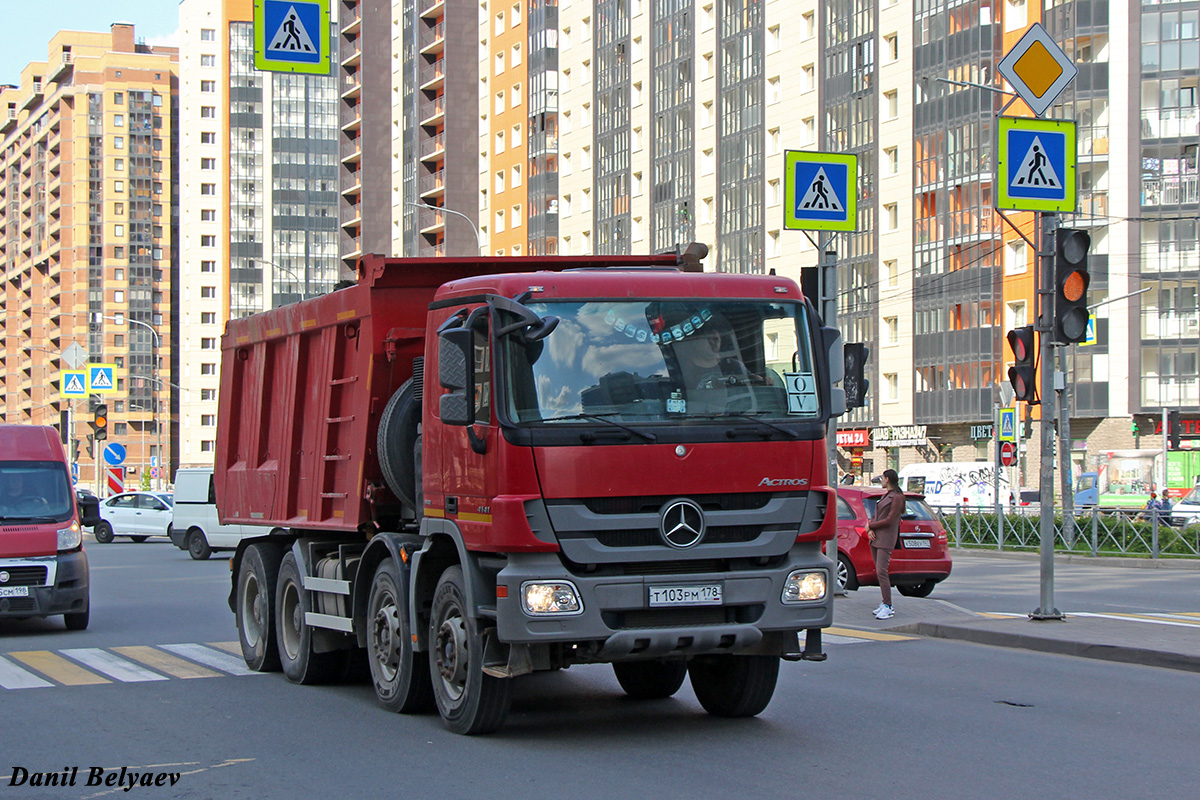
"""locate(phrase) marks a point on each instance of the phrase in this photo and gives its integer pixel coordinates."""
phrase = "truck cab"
(43, 567)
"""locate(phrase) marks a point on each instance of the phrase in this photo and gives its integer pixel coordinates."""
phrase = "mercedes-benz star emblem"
(682, 523)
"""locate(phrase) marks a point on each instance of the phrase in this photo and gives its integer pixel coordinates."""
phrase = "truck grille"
(650, 504)
(649, 537)
(24, 576)
(18, 605)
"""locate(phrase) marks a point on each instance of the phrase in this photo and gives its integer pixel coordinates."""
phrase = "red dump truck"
(471, 469)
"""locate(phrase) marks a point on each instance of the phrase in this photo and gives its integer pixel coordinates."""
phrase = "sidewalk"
(1158, 640)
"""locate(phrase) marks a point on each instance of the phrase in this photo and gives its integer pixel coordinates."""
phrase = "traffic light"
(855, 382)
(1071, 281)
(100, 422)
(1173, 429)
(1133, 427)
(1023, 373)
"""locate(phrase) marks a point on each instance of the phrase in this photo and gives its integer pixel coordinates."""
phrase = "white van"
(194, 524)
(956, 483)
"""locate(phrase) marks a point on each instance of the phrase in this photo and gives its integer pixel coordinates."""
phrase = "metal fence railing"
(1088, 532)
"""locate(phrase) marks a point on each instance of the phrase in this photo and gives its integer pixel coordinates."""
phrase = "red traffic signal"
(1023, 373)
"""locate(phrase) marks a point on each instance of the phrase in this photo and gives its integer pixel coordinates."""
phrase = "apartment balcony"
(1170, 123)
(351, 86)
(433, 76)
(352, 52)
(432, 9)
(1170, 324)
(434, 148)
(9, 121)
(354, 120)
(1170, 190)
(351, 183)
(65, 64)
(354, 157)
(351, 19)
(433, 40)
(432, 222)
(433, 185)
(354, 222)
(1170, 391)
(433, 112)
(35, 97)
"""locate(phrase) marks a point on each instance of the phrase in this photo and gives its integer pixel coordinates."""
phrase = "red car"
(921, 559)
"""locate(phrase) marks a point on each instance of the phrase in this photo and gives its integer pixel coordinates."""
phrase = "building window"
(1015, 15)
(208, 266)
(208, 60)
(118, 230)
(1017, 317)
(516, 176)
(891, 104)
(208, 34)
(208, 240)
(809, 23)
(892, 269)
(119, 142)
(208, 215)
(208, 163)
(118, 120)
(516, 217)
(208, 86)
(1016, 258)
(208, 446)
(208, 394)
(208, 369)
(208, 420)
(891, 382)
(893, 216)
(808, 78)
(118, 98)
(208, 188)
(208, 137)
(891, 47)
(208, 292)
(892, 156)
(208, 318)
(891, 330)
(208, 112)
(118, 297)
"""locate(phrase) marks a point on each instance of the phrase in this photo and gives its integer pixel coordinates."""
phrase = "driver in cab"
(708, 361)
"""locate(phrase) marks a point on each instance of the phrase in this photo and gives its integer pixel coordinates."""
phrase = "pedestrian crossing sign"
(73, 383)
(1035, 164)
(292, 36)
(1008, 425)
(100, 379)
(820, 191)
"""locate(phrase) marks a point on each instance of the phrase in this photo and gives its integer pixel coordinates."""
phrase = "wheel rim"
(194, 544)
(452, 655)
(843, 574)
(254, 611)
(291, 617)
(385, 636)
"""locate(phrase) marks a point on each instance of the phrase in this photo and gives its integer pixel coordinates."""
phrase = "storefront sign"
(861, 438)
(982, 431)
(900, 436)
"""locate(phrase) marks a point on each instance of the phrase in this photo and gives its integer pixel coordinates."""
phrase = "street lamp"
(304, 294)
(96, 317)
(471, 222)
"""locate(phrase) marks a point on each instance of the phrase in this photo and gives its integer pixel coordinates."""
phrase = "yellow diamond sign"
(1038, 69)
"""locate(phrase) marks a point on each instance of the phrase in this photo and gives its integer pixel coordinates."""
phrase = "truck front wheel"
(734, 686)
(402, 683)
(469, 701)
(294, 636)
(650, 680)
(258, 574)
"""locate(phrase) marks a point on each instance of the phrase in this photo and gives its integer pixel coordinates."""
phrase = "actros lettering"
(783, 482)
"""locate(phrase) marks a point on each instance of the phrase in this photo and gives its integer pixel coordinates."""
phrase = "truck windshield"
(663, 361)
(34, 490)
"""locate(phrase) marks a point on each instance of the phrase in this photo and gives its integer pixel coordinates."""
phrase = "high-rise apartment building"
(259, 175)
(88, 238)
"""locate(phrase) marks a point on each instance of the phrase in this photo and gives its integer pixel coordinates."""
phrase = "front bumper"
(616, 615)
(65, 589)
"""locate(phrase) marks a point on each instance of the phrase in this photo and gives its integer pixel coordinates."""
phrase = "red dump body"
(302, 390)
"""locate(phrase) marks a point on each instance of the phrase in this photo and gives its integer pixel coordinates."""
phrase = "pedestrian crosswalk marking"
(228, 647)
(211, 658)
(111, 665)
(876, 636)
(174, 666)
(13, 677)
(58, 668)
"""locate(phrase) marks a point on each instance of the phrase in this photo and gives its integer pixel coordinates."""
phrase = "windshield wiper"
(649, 437)
(763, 422)
(28, 519)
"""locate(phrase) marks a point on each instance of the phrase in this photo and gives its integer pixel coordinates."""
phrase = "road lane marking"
(165, 662)
(111, 665)
(13, 677)
(865, 634)
(58, 668)
(229, 647)
(1137, 618)
(211, 658)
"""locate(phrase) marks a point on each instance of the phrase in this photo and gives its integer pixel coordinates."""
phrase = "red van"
(921, 559)
(43, 569)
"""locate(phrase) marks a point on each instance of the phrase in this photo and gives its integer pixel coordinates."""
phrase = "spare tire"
(397, 440)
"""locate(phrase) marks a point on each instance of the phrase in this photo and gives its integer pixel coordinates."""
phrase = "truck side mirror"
(456, 372)
(89, 511)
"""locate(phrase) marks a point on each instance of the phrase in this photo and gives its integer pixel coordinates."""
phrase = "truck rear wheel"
(469, 701)
(255, 606)
(402, 682)
(294, 636)
(650, 680)
(734, 686)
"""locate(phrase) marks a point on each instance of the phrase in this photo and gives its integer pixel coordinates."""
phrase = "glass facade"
(673, 114)
(741, 136)
(543, 128)
(612, 134)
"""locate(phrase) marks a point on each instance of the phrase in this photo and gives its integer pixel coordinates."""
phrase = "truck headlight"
(70, 538)
(802, 585)
(550, 597)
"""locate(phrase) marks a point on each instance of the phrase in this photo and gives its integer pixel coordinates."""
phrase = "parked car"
(1187, 510)
(138, 515)
(921, 559)
(195, 526)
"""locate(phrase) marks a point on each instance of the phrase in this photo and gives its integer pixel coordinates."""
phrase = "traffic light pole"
(1064, 453)
(1046, 247)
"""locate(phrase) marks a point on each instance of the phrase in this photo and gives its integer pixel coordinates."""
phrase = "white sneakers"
(878, 608)
(884, 612)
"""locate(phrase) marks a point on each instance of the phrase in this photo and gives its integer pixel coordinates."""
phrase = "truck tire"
(734, 686)
(650, 680)
(469, 701)
(258, 575)
(293, 635)
(78, 620)
(396, 441)
(103, 532)
(197, 545)
(402, 681)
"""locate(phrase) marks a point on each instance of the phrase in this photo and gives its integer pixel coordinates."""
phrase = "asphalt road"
(905, 717)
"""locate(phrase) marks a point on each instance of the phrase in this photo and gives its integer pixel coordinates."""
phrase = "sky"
(29, 25)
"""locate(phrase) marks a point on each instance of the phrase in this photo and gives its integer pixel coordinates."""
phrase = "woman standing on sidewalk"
(883, 530)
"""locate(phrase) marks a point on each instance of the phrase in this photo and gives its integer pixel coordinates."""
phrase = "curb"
(1103, 652)
(1075, 558)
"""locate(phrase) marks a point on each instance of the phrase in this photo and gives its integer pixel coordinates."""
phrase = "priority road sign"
(292, 36)
(820, 191)
(1008, 425)
(1037, 68)
(1035, 164)
(73, 383)
(100, 379)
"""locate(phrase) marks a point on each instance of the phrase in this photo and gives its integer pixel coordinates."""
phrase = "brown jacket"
(886, 522)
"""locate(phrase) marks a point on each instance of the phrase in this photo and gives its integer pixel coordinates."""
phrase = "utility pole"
(828, 296)
(1047, 237)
